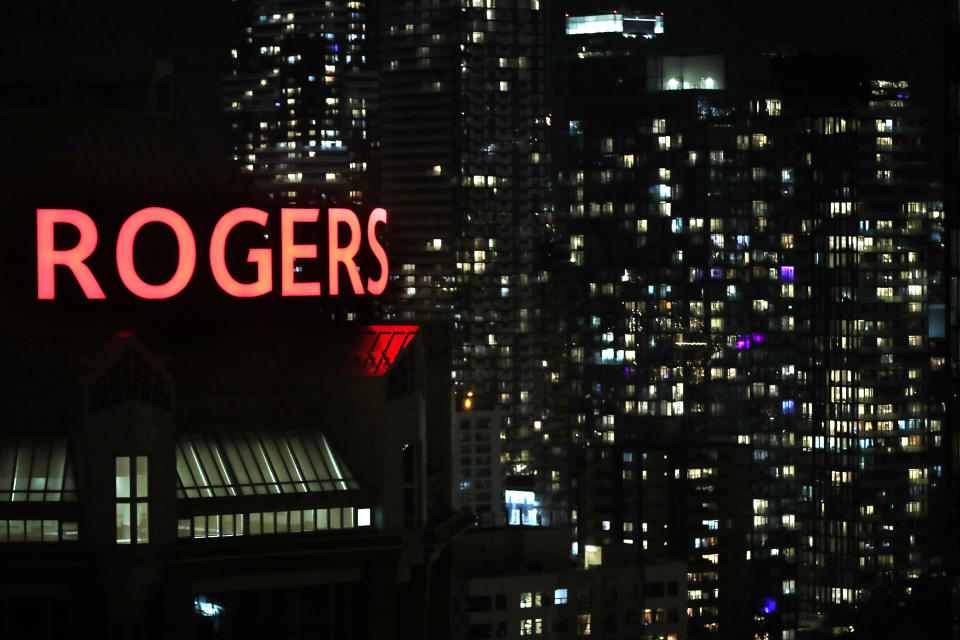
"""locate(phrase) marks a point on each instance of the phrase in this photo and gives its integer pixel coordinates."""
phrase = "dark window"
(585, 597)
(610, 595)
(480, 631)
(478, 603)
(610, 623)
(653, 590)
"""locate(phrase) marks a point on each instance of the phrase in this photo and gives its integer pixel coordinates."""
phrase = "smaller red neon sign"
(379, 346)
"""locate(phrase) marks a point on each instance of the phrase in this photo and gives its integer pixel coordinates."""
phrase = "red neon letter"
(186, 261)
(377, 215)
(346, 254)
(73, 259)
(289, 252)
(262, 257)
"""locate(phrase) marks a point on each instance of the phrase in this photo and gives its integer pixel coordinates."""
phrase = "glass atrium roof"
(258, 463)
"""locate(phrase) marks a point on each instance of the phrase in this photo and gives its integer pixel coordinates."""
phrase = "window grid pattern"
(272, 522)
(132, 508)
(36, 470)
(258, 463)
(37, 531)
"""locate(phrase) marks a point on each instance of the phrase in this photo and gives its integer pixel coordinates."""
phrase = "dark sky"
(905, 41)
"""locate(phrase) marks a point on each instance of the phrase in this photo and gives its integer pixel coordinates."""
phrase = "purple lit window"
(759, 338)
(743, 342)
(787, 406)
(769, 605)
(786, 274)
(716, 273)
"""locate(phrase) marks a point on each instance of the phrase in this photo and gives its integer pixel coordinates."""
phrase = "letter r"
(73, 259)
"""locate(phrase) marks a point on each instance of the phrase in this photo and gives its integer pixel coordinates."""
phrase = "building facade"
(466, 167)
(300, 100)
(520, 582)
(753, 267)
(279, 488)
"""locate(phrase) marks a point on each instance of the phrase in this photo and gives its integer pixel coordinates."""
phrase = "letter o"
(186, 261)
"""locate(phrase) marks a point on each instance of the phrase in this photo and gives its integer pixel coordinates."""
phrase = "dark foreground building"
(224, 484)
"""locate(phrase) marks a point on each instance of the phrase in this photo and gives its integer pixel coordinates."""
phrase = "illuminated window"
(559, 596)
(592, 556)
(132, 513)
(583, 624)
(531, 599)
(37, 531)
(363, 517)
(532, 627)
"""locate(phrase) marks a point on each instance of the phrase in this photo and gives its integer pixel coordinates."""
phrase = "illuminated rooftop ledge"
(379, 347)
(230, 525)
(626, 24)
(676, 84)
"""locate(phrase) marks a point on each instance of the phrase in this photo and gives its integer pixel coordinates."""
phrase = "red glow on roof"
(379, 346)
(123, 334)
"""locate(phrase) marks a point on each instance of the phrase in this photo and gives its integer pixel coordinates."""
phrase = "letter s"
(376, 287)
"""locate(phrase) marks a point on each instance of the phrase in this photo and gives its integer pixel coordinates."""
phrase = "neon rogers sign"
(344, 239)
